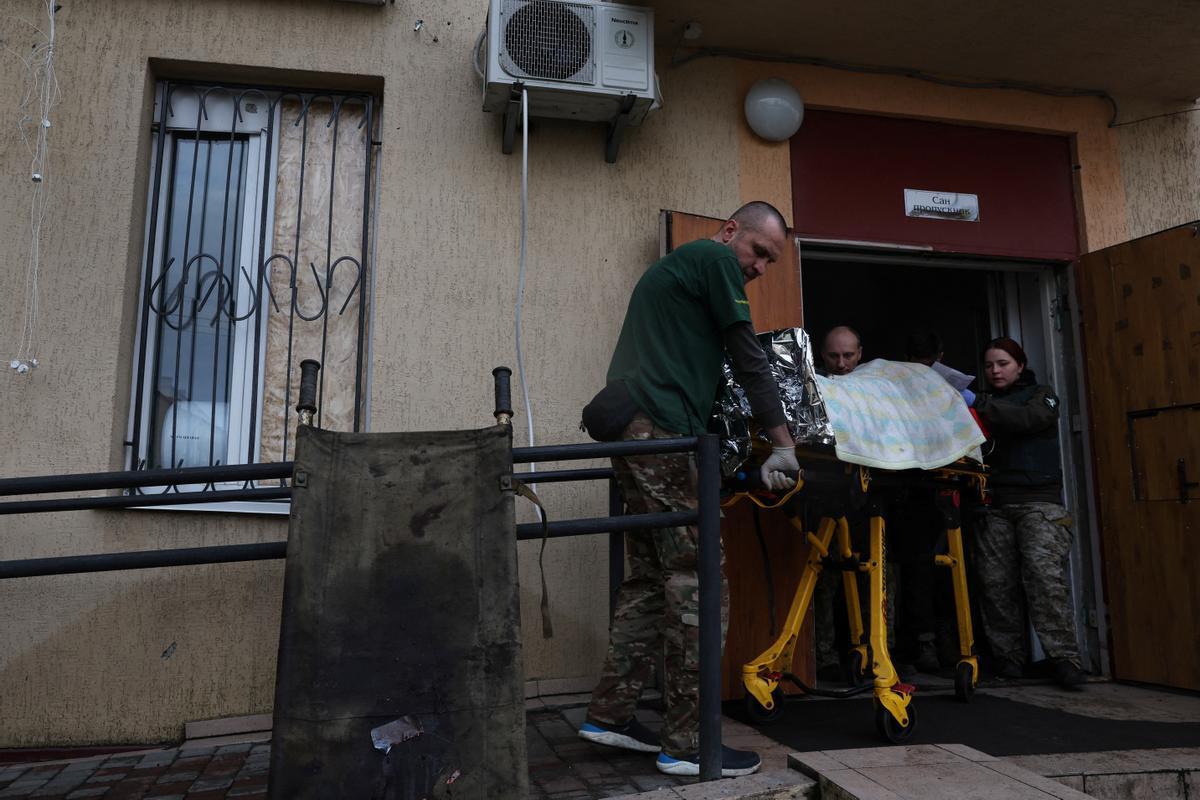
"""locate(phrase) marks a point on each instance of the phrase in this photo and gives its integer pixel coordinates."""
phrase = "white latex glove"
(774, 470)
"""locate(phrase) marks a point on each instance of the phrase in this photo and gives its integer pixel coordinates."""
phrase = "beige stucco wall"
(130, 656)
(1161, 159)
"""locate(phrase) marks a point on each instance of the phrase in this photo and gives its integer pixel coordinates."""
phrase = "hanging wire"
(1155, 116)
(40, 96)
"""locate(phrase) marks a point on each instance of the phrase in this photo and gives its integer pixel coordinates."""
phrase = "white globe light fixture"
(774, 109)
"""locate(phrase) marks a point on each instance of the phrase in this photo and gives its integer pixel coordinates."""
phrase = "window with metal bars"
(257, 257)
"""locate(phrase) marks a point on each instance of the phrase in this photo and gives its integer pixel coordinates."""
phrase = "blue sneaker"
(734, 763)
(633, 735)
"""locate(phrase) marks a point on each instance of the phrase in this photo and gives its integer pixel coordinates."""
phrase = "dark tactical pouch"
(606, 416)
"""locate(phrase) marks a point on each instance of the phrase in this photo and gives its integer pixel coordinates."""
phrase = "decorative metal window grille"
(257, 257)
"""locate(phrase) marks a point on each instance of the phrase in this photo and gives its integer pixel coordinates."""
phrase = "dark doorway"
(887, 303)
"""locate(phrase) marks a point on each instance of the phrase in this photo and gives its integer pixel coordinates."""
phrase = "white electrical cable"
(40, 97)
(475, 54)
(521, 270)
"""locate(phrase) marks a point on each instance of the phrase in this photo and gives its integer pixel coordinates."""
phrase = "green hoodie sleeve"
(1037, 413)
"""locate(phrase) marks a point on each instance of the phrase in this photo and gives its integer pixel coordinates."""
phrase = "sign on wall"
(941, 205)
(849, 173)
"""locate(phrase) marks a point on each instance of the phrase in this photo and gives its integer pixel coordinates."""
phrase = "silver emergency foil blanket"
(789, 352)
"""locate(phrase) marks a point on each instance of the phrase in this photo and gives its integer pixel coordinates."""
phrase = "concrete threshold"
(925, 772)
(931, 772)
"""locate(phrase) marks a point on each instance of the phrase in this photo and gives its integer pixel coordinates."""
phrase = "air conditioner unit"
(576, 60)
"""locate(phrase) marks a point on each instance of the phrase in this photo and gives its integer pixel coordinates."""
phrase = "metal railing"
(706, 517)
(129, 480)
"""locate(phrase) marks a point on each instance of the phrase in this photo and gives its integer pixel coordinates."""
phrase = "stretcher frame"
(837, 487)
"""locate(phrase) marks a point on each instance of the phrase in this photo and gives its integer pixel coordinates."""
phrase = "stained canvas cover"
(400, 670)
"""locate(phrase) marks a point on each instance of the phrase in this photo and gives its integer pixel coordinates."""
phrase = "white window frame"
(178, 117)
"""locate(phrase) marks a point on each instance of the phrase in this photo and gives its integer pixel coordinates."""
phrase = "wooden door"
(775, 302)
(1140, 305)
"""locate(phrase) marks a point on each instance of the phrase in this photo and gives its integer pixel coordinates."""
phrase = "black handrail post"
(503, 412)
(306, 405)
(708, 495)
(616, 548)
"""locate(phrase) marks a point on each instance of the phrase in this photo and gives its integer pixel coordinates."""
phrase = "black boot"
(1066, 674)
(1007, 669)
(927, 660)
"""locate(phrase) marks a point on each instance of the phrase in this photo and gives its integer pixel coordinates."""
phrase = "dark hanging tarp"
(400, 669)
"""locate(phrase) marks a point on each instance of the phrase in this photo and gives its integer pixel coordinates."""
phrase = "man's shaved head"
(757, 234)
(758, 215)
(841, 350)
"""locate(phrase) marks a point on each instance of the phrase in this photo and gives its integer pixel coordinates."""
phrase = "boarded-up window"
(257, 257)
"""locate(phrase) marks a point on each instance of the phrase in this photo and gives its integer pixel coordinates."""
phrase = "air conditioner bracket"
(512, 115)
(616, 128)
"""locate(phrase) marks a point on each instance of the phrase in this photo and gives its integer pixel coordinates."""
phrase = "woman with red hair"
(1022, 546)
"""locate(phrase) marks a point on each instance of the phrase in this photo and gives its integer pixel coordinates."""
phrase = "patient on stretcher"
(883, 414)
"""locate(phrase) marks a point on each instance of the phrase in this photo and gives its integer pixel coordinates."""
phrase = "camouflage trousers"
(658, 605)
(1020, 557)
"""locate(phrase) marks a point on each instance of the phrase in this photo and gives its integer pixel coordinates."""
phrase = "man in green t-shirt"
(687, 311)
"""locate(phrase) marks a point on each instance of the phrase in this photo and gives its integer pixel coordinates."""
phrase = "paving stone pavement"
(561, 766)
(564, 767)
(197, 773)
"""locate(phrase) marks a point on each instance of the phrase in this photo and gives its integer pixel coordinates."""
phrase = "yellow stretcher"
(836, 488)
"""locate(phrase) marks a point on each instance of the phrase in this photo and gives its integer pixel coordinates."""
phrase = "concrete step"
(1161, 774)
(773, 785)
(925, 772)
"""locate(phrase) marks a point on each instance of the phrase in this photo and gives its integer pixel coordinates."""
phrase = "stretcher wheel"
(892, 730)
(964, 686)
(764, 716)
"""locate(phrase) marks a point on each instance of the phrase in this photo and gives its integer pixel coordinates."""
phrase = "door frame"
(1065, 370)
